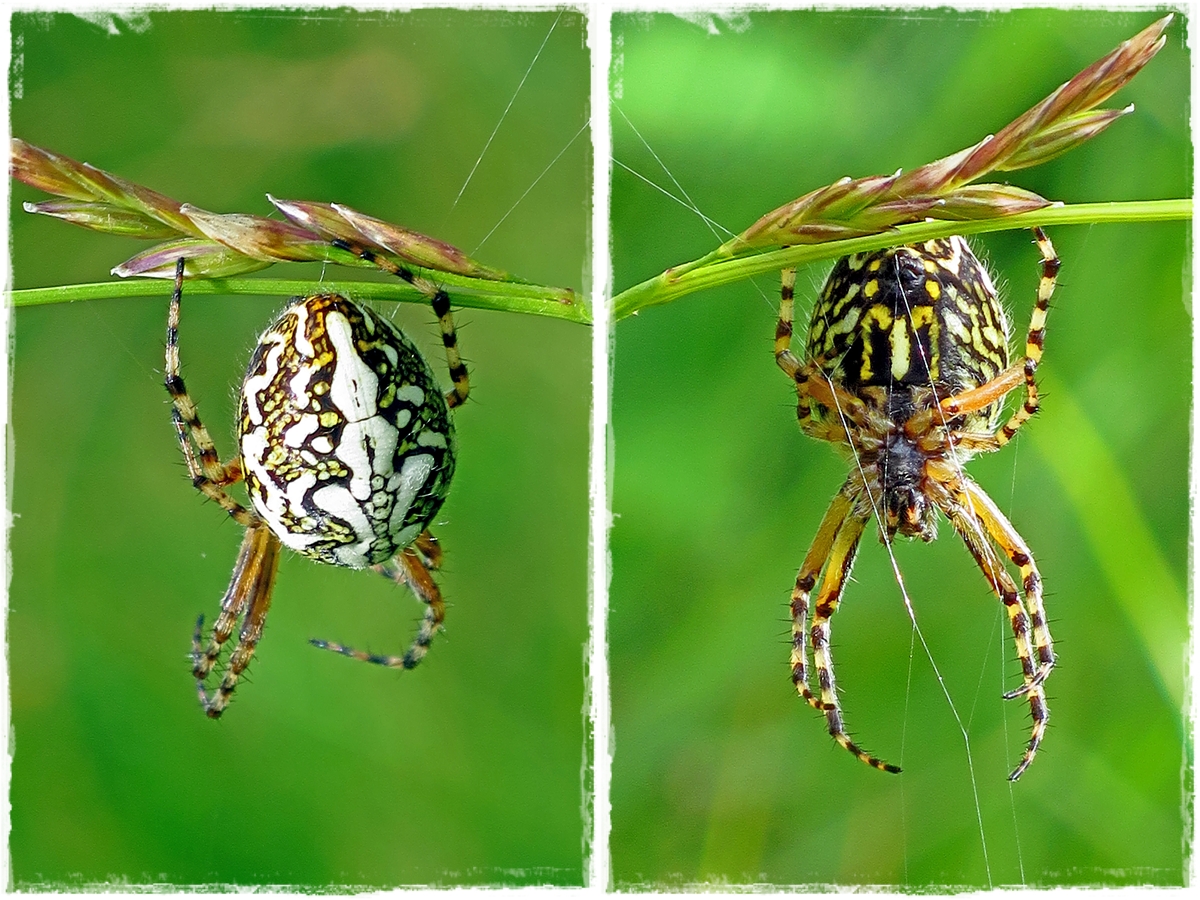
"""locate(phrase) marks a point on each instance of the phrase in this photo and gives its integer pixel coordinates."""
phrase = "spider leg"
(1024, 370)
(440, 301)
(233, 606)
(410, 567)
(841, 560)
(974, 528)
(1010, 541)
(429, 549)
(1036, 339)
(209, 476)
(248, 596)
(812, 383)
(806, 580)
(783, 329)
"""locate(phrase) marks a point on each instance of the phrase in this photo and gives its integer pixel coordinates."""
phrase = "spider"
(906, 370)
(347, 449)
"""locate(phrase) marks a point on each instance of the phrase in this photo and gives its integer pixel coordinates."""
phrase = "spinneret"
(907, 367)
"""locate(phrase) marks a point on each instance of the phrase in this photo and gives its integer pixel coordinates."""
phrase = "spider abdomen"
(907, 323)
(346, 441)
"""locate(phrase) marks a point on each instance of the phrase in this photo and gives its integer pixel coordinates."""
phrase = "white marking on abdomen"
(404, 487)
(271, 502)
(354, 386)
(374, 433)
(256, 384)
(411, 393)
(300, 339)
(336, 501)
(299, 386)
(300, 432)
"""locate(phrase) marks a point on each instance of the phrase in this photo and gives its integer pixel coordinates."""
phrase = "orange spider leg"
(248, 596)
(986, 394)
(806, 579)
(810, 379)
(410, 567)
(1035, 340)
(783, 328)
(249, 591)
(841, 560)
(1010, 541)
(1023, 370)
(975, 531)
(429, 548)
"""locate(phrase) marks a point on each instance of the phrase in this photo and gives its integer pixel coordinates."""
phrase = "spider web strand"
(504, 115)
(917, 628)
(534, 183)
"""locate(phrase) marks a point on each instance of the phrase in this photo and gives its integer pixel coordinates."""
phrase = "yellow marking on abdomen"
(900, 344)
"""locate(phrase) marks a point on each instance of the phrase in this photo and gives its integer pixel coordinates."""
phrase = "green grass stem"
(717, 269)
(469, 292)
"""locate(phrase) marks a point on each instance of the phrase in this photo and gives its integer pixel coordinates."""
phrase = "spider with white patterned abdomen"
(347, 449)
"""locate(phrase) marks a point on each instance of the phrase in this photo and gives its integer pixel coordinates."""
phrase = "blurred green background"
(720, 773)
(323, 771)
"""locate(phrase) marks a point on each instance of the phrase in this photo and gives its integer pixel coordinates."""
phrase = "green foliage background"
(720, 773)
(323, 771)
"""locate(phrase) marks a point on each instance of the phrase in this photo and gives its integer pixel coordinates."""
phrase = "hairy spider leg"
(1035, 340)
(440, 301)
(1025, 369)
(410, 567)
(430, 549)
(973, 519)
(806, 580)
(983, 516)
(787, 316)
(209, 476)
(249, 593)
(233, 605)
(836, 541)
(1010, 541)
(810, 378)
(997, 525)
(837, 571)
(248, 597)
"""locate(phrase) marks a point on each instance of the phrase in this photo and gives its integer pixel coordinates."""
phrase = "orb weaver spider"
(906, 370)
(346, 446)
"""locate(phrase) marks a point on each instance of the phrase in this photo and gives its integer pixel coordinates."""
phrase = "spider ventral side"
(346, 445)
(906, 369)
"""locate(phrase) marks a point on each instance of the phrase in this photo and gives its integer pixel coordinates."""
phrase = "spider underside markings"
(906, 369)
(346, 446)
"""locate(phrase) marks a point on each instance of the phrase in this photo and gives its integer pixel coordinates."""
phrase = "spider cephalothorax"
(907, 368)
(347, 449)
